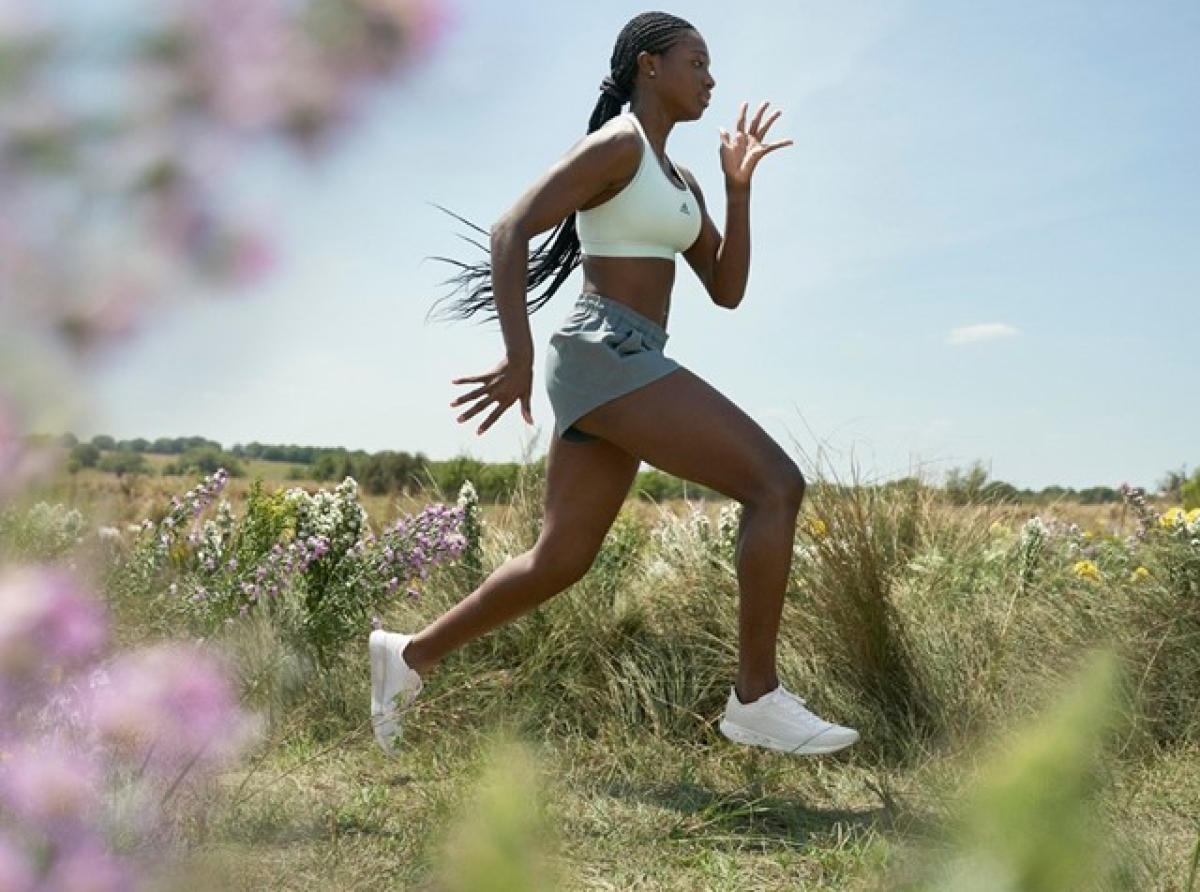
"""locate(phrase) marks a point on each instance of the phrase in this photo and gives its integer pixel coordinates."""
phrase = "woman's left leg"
(683, 426)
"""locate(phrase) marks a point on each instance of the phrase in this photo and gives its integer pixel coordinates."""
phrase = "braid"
(553, 261)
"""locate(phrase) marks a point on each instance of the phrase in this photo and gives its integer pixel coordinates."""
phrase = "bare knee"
(561, 564)
(779, 491)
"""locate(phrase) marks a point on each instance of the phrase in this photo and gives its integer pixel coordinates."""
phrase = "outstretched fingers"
(759, 127)
(756, 121)
(494, 392)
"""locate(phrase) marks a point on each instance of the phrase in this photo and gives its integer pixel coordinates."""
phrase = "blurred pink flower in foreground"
(48, 622)
(173, 704)
(94, 749)
(52, 787)
(122, 124)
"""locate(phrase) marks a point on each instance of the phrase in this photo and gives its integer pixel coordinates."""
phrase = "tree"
(965, 486)
(123, 463)
(84, 455)
(205, 460)
(1171, 486)
(1189, 493)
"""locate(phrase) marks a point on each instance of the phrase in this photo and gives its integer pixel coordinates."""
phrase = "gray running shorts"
(602, 351)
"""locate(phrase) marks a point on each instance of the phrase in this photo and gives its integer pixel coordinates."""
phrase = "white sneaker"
(394, 685)
(780, 721)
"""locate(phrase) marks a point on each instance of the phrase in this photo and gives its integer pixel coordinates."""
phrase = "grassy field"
(577, 748)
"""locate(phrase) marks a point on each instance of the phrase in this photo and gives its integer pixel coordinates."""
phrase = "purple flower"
(16, 873)
(89, 867)
(46, 620)
(174, 704)
(50, 787)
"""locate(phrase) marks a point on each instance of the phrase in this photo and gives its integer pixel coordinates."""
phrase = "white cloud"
(989, 331)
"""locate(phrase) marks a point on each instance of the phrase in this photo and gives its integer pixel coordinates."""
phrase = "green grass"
(576, 749)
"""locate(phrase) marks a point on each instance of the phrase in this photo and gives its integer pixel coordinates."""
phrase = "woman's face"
(682, 78)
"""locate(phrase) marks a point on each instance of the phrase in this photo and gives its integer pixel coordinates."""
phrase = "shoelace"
(793, 704)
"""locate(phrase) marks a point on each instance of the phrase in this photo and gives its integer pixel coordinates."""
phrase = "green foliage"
(656, 486)
(203, 460)
(1189, 492)
(83, 455)
(308, 561)
(39, 534)
(861, 541)
(965, 486)
(931, 628)
(502, 841)
(387, 472)
(493, 482)
(1030, 823)
(122, 463)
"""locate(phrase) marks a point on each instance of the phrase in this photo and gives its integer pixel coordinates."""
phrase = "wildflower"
(1034, 531)
(172, 703)
(50, 787)
(16, 871)
(46, 619)
(1139, 574)
(1172, 519)
(816, 527)
(729, 522)
(1087, 570)
(90, 866)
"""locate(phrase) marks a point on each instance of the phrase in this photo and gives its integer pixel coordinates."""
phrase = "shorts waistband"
(614, 309)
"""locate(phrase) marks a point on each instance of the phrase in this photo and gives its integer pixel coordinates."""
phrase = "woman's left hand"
(746, 146)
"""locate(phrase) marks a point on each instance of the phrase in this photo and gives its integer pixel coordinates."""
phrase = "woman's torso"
(629, 242)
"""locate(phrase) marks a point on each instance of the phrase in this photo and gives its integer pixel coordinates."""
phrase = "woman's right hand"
(508, 383)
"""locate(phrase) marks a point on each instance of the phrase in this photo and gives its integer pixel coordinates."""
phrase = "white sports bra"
(650, 217)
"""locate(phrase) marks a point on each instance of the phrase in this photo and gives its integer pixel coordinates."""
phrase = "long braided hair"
(557, 257)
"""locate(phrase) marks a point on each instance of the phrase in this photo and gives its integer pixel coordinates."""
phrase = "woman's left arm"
(723, 262)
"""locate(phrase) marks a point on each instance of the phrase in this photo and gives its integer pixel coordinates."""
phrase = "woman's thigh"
(586, 485)
(685, 427)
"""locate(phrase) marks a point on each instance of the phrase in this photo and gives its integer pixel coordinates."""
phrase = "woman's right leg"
(586, 485)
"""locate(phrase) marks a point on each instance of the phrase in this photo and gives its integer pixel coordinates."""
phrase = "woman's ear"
(647, 63)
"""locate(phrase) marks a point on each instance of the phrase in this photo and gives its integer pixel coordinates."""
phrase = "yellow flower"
(1140, 574)
(1086, 570)
(1193, 517)
(816, 528)
(1175, 517)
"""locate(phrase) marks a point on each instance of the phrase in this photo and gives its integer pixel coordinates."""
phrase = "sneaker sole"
(814, 747)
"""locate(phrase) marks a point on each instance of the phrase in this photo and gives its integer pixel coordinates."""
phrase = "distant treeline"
(382, 473)
(378, 473)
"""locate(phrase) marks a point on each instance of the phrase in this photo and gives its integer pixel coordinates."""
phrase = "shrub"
(309, 561)
(42, 533)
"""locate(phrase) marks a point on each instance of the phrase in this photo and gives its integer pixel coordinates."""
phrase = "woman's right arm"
(600, 163)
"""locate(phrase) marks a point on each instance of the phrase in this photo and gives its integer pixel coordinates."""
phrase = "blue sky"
(984, 246)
